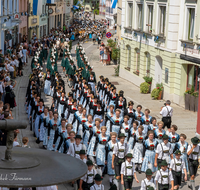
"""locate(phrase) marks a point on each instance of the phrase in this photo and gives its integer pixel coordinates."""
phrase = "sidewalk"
(185, 120)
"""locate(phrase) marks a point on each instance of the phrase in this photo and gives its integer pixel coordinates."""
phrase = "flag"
(113, 4)
(50, 1)
(37, 7)
(75, 7)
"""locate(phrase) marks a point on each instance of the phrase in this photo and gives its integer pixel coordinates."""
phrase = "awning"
(190, 58)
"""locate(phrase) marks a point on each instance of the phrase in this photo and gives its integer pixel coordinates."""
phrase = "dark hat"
(195, 140)
(78, 137)
(164, 163)
(165, 137)
(149, 172)
(70, 94)
(82, 152)
(122, 135)
(89, 163)
(178, 152)
(114, 187)
(129, 155)
(99, 102)
(98, 177)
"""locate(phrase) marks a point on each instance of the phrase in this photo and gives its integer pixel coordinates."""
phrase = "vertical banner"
(35, 7)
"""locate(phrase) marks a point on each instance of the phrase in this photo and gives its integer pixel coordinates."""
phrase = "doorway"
(158, 70)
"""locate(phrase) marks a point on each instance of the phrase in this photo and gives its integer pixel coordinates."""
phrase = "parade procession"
(67, 86)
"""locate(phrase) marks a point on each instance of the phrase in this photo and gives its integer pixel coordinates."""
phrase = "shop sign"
(34, 20)
(16, 16)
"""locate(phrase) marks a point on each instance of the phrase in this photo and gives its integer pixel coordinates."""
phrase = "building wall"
(141, 47)
(42, 18)
(119, 21)
(23, 27)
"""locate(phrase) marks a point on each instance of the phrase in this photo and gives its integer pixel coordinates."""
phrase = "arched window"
(148, 63)
(128, 56)
(137, 58)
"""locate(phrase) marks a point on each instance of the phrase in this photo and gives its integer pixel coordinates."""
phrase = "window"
(13, 6)
(162, 20)
(139, 16)
(3, 5)
(149, 19)
(8, 11)
(43, 7)
(129, 57)
(137, 51)
(191, 18)
(130, 14)
(166, 75)
(148, 64)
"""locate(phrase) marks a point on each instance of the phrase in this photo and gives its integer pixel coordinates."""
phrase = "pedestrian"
(128, 172)
(164, 177)
(148, 181)
(167, 112)
(25, 142)
(98, 183)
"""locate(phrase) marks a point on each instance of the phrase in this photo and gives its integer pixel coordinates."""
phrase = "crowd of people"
(93, 122)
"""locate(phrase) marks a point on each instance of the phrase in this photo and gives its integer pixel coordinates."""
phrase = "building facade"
(33, 22)
(102, 7)
(9, 23)
(58, 16)
(43, 18)
(23, 26)
(119, 19)
(161, 39)
(89, 5)
(111, 13)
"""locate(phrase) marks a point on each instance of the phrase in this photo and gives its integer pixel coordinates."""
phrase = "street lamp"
(94, 12)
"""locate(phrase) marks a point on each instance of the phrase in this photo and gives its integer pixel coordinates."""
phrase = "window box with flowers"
(137, 72)
(191, 99)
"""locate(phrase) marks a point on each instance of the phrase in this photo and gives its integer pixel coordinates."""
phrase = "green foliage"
(111, 43)
(192, 92)
(96, 11)
(148, 79)
(155, 93)
(115, 53)
(116, 70)
(144, 88)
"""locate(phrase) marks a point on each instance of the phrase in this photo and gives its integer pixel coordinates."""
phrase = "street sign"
(16, 16)
(108, 35)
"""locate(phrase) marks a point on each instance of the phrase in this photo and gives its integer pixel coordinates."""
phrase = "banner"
(113, 4)
(35, 7)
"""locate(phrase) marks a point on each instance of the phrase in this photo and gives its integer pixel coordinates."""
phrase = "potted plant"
(115, 55)
(149, 81)
(144, 88)
(187, 99)
(157, 92)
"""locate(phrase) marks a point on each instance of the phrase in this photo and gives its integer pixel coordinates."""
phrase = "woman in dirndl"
(146, 120)
(149, 153)
(69, 104)
(125, 128)
(47, 83)
(43, 123)
(113, 96)
(71, 112)
(173, 136)
(47, 129)
(116, 122)
(54, 123)
(130, 112)
(153, 125)
(110, 147)
(99, 112)
(182, 145)
(62, 105)
(138, 147)
(120, 104)
(96, 132)
(139, 114)
(75, 121)
(60, 137)
(45, 50)
(81, 121)
(159, 132)
(100, 148)
(133, 131)
(108, 117)
(92, 81)
(88, 131)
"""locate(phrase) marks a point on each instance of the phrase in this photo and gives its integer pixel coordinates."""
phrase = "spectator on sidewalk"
(25, 141)
(15, 143)
(167, 112)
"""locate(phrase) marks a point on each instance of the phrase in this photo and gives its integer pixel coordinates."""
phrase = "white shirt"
(89, 176)
(164, 112)
(196, 149)
(15, 143)
(10, 68)
(128, 168)
(121, 147)
(164, 150)
(147, 182)
(97, 187)
(165, 180)
(1, 87)
(180, 164)
(75, 148)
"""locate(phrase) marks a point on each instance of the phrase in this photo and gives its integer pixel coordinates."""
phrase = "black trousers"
(167, 122)
(193, 167)
(177, 177)
(86, 186)
(163, 187)
(118, 163)
(128, 181)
